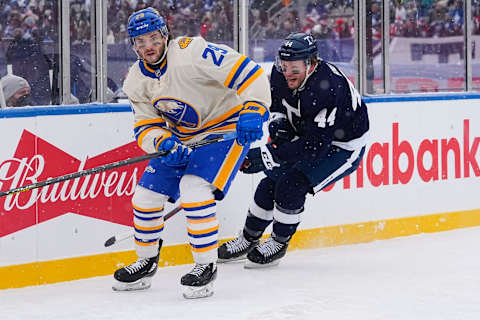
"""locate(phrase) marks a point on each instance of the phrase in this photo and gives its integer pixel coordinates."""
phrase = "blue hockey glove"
(259, 159)
(179, 154)
(281, 131)
(249, 128)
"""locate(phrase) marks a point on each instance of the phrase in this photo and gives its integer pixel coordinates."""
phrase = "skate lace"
(134, 267)
(238, 244)
(270, 247)
(198, 269)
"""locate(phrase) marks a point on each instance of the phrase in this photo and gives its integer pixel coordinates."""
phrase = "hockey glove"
(259, 159)
(179, 154)
(249, 128)
(281, 131)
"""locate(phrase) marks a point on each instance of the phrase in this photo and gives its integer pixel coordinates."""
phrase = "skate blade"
(252, 265)
(190, 292)
(141, 284)
(240, 258)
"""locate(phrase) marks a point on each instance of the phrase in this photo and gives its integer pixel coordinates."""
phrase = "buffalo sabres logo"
(184, 42)
(178, 112)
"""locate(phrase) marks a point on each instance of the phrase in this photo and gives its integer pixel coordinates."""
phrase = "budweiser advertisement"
(422, 158)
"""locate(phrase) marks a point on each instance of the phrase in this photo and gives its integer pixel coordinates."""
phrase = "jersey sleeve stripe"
(220, 129)
(232, 113)
(252, 75)
(236, 71)
(158, 140)
(139, 137)
(253, 106)
(158, 121)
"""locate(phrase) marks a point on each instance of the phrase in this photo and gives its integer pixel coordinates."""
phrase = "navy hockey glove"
(249, 128)
(281, 131)
(179, 154)
(259, 159)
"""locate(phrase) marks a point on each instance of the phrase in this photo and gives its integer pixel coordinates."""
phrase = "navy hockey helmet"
(145, 21)
(298, 46)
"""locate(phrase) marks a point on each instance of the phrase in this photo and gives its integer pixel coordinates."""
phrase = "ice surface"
(429, 276)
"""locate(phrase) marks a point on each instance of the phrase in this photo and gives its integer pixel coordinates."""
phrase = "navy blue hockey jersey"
(327, 111)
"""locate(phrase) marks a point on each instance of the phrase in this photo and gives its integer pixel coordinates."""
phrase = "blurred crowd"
(212, 19)
(29, 29)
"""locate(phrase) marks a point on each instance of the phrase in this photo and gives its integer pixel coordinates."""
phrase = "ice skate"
(136, 276)
(266, 254)
(235, 249)
(198, 283)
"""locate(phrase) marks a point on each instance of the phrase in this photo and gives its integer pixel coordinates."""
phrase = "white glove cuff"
(267, 158)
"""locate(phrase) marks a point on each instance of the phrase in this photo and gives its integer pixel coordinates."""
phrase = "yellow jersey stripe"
(249, 81)
(234, 69)
(144, 133)
(148, 121)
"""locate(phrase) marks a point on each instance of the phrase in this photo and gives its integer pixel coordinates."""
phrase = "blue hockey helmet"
(298, 46)
(145, 21)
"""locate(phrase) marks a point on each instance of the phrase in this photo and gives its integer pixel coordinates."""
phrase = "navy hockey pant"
(280, 196)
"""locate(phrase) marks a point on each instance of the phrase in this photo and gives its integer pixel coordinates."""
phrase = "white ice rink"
(430, 276)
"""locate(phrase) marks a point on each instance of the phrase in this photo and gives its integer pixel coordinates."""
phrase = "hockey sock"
(285, 223)
(290, 195)
(260, 212)
(148, 221)
(200, 211)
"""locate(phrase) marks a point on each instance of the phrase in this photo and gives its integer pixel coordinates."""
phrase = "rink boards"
(420, 174)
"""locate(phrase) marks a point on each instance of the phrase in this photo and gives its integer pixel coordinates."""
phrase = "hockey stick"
(121, 163)
(114, 239)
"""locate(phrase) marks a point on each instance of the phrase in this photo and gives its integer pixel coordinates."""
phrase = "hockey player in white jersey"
(182, 91)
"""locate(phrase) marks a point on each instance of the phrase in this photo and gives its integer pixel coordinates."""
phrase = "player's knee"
(291, 190)
(194, 188)
(146, 199)
(264, 194)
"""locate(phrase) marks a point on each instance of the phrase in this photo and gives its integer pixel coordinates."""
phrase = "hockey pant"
(200, 211)
(280, 197)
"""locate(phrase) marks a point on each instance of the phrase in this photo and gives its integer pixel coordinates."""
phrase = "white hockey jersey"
(199, 89)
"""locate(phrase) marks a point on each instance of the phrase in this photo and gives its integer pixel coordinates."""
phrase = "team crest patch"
(184, 42)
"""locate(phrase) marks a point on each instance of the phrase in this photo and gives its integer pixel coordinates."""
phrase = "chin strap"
(307, 74)
(164, 53)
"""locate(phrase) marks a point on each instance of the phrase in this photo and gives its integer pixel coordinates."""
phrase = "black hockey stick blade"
(110, 241)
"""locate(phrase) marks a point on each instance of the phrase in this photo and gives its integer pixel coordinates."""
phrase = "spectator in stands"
(16, 91)
(28, 61)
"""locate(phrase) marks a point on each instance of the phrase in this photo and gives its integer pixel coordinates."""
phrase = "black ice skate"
(235, 249)
(198, 283)
(266, 254)
(137, 276)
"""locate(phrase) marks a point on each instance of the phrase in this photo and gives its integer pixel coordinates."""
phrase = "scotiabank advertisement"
(423, 158)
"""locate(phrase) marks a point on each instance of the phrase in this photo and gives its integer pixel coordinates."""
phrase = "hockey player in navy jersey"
(183, 91)
(318, 131)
